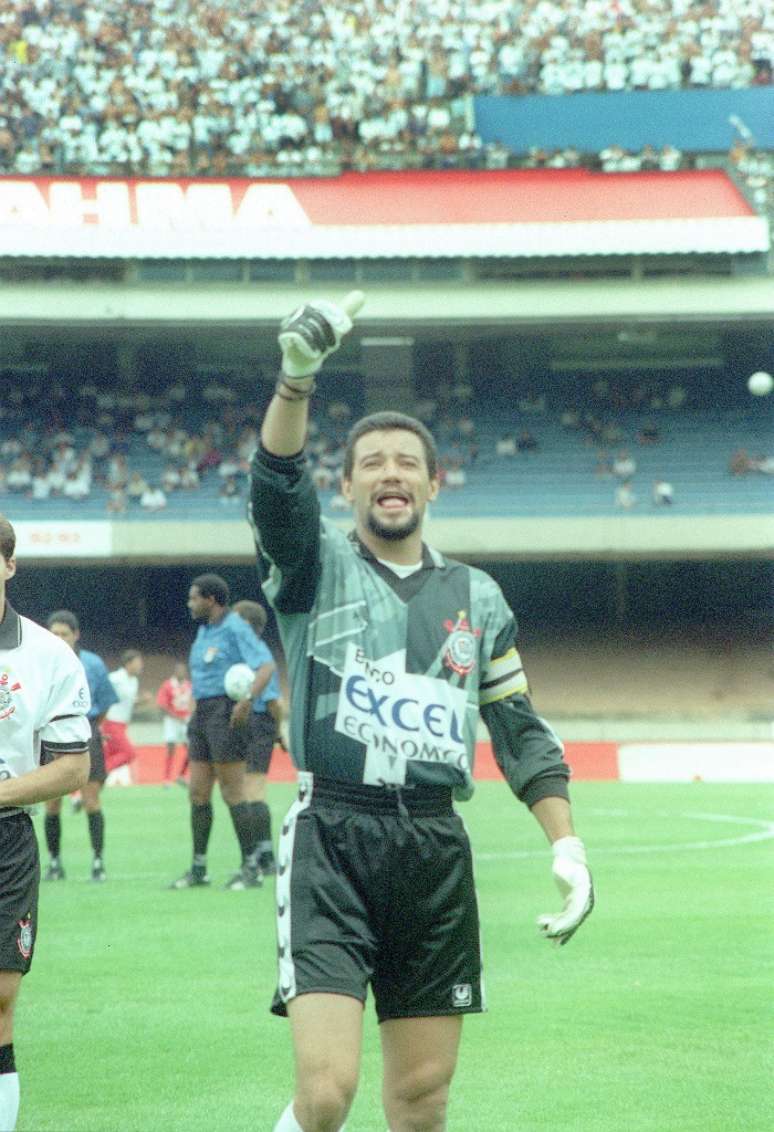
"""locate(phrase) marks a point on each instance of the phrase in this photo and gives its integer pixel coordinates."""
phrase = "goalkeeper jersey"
(387, 675)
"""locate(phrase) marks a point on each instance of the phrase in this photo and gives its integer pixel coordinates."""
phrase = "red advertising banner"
(509, 212)
(588, 762)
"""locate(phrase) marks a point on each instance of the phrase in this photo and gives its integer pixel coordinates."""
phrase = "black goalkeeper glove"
(313, 331)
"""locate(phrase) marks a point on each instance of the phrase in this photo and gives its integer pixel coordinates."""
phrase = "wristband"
(298, 394)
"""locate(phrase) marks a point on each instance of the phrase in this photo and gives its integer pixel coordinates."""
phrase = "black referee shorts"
(211, 738)
(19, 882)
(256, 741)
(375, 886)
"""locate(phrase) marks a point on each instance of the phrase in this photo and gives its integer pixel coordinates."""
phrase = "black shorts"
(256, 741)
(19, 882)
(211, 738)
(375, 885)
(97, 772)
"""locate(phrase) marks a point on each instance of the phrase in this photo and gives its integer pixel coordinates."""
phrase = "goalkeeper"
(392, 651)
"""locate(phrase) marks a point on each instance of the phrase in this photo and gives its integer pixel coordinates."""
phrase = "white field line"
(763, 831)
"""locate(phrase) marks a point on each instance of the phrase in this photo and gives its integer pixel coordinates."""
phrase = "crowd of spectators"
(597, 419)
(742, 463)
(134, 451)
(257, 88)
(86, 443)
(754, 168)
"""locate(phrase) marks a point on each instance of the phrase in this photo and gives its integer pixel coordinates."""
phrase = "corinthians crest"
(24, 940)
(460, 653)
(7, 706)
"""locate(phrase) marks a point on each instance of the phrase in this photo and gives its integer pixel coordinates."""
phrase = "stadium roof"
(509, 213)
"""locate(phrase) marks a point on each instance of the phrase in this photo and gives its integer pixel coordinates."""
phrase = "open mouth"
(392, 500)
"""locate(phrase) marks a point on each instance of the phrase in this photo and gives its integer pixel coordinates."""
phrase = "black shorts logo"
(462, 995)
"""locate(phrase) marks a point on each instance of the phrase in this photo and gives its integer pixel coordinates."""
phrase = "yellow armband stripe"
(504, 677)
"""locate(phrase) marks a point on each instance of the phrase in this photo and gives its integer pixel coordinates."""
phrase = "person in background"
(120, 751)
(222, 639)
(663, 493)
(64, 624)
(624, 465)
(625, 499)
(175, 699)
(260, 734)
(44, 754)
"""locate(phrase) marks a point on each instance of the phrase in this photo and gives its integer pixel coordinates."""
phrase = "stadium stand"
(180, 87)
(103, 455)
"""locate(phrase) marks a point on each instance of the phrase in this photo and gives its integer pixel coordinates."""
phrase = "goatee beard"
(392, 534)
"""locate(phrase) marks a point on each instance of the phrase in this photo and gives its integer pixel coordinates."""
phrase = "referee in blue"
(215, 753)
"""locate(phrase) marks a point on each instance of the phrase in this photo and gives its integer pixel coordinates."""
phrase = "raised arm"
(284, 509)
(306, 338)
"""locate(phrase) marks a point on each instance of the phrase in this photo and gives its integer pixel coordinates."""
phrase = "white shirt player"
(127, 688)
(44, 697)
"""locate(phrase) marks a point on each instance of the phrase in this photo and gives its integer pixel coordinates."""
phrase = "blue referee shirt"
(272, 689)
(103, 694)
(216, 648)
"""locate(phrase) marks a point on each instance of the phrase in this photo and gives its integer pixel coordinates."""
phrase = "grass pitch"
(148, 1009)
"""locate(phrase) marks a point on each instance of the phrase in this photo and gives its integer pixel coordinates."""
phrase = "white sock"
(9, 1101)
(287, 1122)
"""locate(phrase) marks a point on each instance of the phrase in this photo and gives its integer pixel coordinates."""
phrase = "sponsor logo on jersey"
(24, 939)
(398, 715)
(460, 654)
(7, 706)
(81, 701)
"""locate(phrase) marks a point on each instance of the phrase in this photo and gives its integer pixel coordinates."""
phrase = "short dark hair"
(390, 422)
(212, 585)
(7, 538)
(253, 613)
(129, 654)
(63, 617)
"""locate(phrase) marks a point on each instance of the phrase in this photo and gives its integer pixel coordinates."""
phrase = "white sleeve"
(63, 724)
(119, 680)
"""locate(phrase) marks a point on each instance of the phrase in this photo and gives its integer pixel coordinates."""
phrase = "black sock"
(244, 826)
(97, 832)
(262, 819)
(53, 828)
(201, 824)
(7, 1062)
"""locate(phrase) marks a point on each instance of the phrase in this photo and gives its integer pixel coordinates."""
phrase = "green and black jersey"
(387, 675)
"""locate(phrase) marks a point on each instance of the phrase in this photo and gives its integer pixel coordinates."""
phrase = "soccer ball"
(760, 383)
(238, 681)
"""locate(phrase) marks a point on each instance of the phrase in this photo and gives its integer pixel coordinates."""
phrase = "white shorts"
(175, 730)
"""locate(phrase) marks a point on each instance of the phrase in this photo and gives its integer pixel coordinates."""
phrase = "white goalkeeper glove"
(313, 331)
(573, 880)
